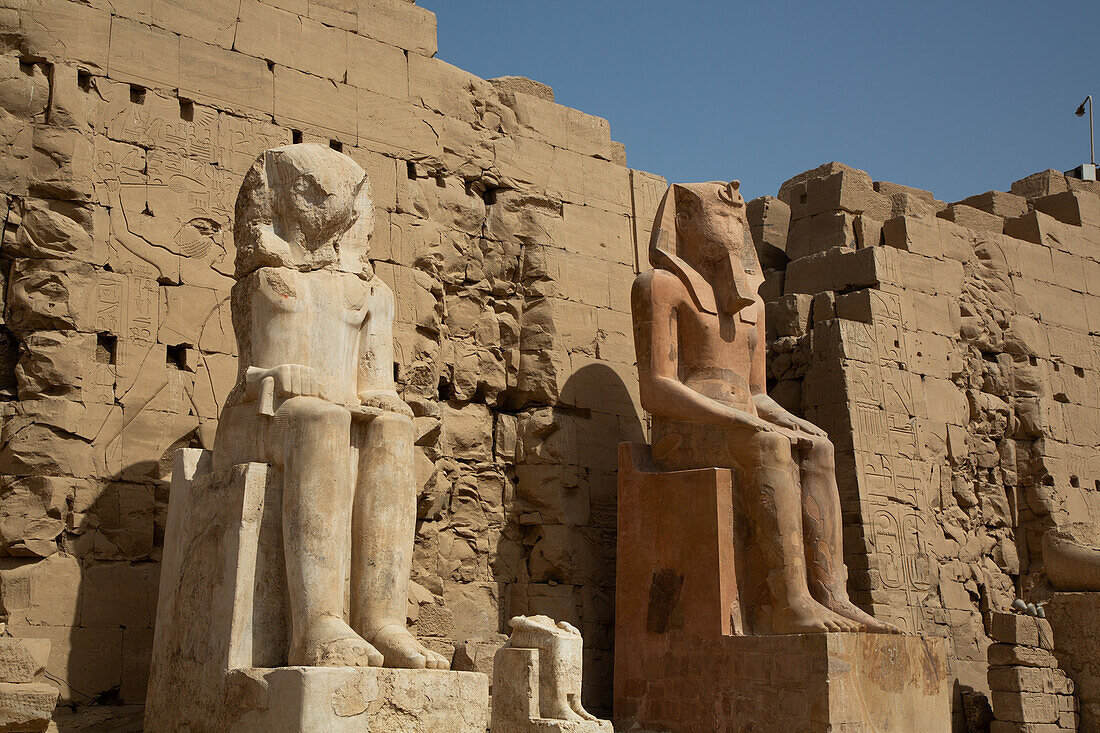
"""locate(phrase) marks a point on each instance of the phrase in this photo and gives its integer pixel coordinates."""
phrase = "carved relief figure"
(315, 398)
(699, 336)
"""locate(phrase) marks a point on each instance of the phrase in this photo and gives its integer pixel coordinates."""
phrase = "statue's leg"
(383, 531)
(823, 527)
(313, 440)
(774, 504)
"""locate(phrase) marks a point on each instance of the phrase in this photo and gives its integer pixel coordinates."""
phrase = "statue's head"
(305, 207)
(701, 232)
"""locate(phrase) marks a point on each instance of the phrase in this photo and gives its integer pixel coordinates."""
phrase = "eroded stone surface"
(310, 482)
(537, 680)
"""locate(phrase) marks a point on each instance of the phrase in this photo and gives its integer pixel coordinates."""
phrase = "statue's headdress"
(260, 230)
(664, 245)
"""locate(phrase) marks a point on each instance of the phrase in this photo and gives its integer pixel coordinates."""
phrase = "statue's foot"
(807, 616)
(579, 710)
(401, 649)
(329, 642)
(564, 711)
(867, 622)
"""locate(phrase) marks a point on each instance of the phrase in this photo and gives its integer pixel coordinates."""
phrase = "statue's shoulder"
(659, 287)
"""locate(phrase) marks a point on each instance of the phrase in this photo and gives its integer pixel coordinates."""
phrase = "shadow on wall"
(557, 553)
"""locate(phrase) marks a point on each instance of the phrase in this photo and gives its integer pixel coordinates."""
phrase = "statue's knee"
(315, 412)
(822, 447)
(773, 448)
(392, 424)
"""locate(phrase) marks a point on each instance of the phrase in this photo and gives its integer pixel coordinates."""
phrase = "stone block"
(395, 127)
(377, 67)
(821, 233)
(290, 40)
(971, 218)
(1025, 707)
(347, 699)
(1074, 618)
(21, 660)
(997, 203)
(1014, 628)
(1071, 207)
(841, 270)
(231, 81)
(66, 32)
(1012, 655)
(26, 707)
(212, 21)
(331, 109)
(1043, 183)
(1022, 679)
(769, 219)
(143, 55)
(399, 23)
(46, 592)
(850, 190)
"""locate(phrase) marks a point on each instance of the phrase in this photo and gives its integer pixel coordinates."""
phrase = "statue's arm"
(375, 385)
(654, 299)
(766, 407)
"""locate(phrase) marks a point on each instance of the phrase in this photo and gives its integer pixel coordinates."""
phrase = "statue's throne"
(693, 650)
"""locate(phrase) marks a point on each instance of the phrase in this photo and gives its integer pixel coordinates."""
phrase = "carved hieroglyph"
(537, 680)
(699, 336)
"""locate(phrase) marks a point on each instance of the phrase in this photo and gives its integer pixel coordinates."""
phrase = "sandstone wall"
(505, 225)
(951, 351)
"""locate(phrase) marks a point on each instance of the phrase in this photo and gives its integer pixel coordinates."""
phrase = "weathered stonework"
(950, 363)
(503, 225)
(1027, 686)
(950, 350)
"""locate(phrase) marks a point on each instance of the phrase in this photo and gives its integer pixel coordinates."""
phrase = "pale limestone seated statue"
(288, 548)
(1071, 556)
(537, 680)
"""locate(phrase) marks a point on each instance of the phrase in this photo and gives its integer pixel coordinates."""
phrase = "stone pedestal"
(339, 699)
(1075, 618)
(682, 660)
(220, 645)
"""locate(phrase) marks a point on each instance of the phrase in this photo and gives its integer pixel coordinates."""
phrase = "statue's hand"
(805, 426)
(386, 400)
(743, 419)
(291, 380)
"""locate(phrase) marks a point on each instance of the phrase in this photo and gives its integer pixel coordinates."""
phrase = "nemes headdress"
(664, 247)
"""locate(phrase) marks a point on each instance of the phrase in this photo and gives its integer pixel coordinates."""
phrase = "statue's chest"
(321, 297)
(721, 337)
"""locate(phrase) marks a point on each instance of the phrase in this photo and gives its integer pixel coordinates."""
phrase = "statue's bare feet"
(579, 709)
(330, 642)
(401, 649)
(867, 622)
(807, 616)
(564, 711)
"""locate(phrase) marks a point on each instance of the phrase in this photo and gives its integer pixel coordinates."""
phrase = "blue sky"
(956, 97)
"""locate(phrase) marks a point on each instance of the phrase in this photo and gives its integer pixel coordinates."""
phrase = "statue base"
(803, 682)
(689, 654)
(337, 699)
(220, 644)
(1074, 618)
